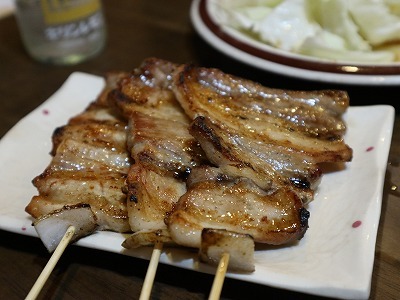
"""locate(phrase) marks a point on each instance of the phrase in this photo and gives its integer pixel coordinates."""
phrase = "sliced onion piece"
(216, 242)
(147, 238)
(52, 227)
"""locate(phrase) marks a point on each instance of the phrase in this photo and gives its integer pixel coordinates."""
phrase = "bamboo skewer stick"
(44, 275)
(219, 277)
(151, 271)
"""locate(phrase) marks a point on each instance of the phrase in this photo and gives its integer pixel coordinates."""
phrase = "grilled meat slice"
(276, 138)
(148, 238)
(151, 196)
(269, 167)
(163, 145)
(84, 131)
(148, 90)
(96, 155)
(89, 166)
(103, 192)
(306, 122)
(112, 79)
(237, 205)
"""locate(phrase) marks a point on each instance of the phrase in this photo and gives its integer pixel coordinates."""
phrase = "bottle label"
(68, 19)
(64, 11)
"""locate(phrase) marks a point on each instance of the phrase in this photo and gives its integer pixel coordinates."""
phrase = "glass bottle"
(61, 31)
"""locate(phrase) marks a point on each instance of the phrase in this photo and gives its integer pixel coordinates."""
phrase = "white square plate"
(335, 258)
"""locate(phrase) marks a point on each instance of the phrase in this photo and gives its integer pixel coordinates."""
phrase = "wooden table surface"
(136, 30)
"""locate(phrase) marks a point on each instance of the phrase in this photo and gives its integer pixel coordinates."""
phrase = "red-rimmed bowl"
(250, 51)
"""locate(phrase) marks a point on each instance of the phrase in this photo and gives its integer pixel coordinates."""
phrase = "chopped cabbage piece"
(393, 48)
(246, 18)
(287, 26)
(377, 24)
(334, 16)
(242, 14)
(247, 3)
(326, 45)
(394, 6)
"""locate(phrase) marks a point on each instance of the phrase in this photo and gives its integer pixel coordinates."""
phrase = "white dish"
(237, 45)
(333, 259)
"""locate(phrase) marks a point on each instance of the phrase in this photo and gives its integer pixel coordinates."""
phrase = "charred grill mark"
(195, 151)
(181, 80)
(145, 157)
(59, 131)
(41, 176)
(119, 97)
(187, 69)
(182, 174)
(133, 198)
(222, 177)
(124, 189)
(304, 216)
(176, 170)
(199, 124)
(57, 138)
(334, 138)
(300, 183)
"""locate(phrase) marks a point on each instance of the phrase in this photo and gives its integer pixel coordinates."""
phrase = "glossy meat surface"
(274, 137)
(305, 113)
(159, 142)
(89, 166)
(269, 167)
(240, 206)
(170, 152)
(264, 145)
(147, 89)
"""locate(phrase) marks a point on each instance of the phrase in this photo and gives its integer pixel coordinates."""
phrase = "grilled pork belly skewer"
(154, 184)
(87, 171)
(81, 190)
(266, 145)
(163, 151)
